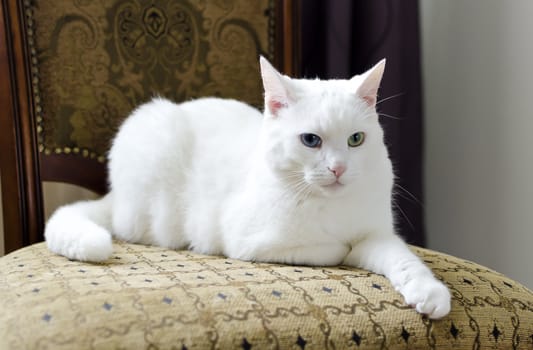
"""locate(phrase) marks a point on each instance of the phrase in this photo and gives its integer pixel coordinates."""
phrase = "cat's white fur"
(219, 177)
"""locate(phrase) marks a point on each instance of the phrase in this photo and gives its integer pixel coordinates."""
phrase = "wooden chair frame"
(22, 167)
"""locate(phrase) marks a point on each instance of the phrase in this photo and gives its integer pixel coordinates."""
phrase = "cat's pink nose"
(338, 170)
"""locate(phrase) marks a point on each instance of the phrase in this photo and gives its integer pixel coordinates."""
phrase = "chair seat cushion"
(151, 297)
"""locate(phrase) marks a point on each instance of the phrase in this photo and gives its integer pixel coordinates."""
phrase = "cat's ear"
(371, 79)
(276, 93)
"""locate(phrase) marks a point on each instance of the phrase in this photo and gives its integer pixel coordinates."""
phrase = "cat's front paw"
(428, 296)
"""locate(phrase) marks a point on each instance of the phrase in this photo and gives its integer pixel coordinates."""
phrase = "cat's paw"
(428, 296)
(84, 242)
(96, 245)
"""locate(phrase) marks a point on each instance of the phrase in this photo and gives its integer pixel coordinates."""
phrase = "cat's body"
(309, 182)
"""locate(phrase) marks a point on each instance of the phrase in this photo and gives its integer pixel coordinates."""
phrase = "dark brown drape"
(341, 38)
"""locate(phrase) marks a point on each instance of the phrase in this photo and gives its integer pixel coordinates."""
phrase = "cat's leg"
(167, 221)
(129, 218)
(390, 256)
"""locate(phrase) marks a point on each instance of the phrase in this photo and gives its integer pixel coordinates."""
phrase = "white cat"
(307, 182)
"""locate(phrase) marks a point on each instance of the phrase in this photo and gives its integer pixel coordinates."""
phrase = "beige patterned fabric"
(92, 62)
(149, 297)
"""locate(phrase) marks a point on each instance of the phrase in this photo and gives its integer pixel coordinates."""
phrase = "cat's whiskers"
(292, 179)
(410, 196)
(291, 176)
(299, 188)
(399, 194)
(296, 189)
(397, 206)
(302, 193)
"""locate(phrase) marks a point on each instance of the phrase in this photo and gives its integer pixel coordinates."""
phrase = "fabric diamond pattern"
(245, 305)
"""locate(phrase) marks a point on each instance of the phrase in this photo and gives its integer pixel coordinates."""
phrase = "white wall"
(478, 79)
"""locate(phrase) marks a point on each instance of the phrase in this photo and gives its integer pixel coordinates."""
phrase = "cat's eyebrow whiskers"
(373, 108)
(381, 115)
(389, 116)
(390, 97)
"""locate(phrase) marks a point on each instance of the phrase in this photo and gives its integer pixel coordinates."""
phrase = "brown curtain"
(341, 38)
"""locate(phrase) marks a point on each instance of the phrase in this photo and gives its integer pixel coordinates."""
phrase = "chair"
(72, 71)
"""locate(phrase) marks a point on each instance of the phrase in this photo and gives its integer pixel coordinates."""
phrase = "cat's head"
(323, 136)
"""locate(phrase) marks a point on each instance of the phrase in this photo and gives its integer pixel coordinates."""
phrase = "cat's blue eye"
(356, 139)
(311, 140)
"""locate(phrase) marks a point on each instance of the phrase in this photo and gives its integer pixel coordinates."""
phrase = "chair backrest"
(73, 70)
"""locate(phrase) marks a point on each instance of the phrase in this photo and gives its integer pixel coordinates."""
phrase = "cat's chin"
(333, 189)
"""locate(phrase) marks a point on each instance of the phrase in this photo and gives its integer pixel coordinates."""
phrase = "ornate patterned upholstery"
(149, 297)
(94, 61)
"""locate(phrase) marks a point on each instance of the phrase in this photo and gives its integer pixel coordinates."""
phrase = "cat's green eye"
(356, 139)
(311, 140)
